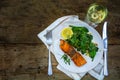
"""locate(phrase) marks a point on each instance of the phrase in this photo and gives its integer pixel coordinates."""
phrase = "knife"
(105, 52)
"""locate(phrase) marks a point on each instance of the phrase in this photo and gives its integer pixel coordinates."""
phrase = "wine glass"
(96, 14)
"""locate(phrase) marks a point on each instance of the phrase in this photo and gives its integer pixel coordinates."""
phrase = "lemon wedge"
(66, 33)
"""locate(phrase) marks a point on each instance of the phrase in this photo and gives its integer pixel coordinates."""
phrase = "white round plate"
(59, 53)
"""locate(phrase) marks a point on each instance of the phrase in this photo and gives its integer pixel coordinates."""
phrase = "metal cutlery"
(105, 42)
(49, 43)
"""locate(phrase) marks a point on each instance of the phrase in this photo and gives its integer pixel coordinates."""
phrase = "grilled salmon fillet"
(70, 51)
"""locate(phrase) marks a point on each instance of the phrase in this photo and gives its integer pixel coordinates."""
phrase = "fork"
(49, 43)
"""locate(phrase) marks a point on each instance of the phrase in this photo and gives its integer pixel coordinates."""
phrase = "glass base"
(92, 24)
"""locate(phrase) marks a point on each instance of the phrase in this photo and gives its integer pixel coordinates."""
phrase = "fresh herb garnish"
(66, 59)
(82, 41)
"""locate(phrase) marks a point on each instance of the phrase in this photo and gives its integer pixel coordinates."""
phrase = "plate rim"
(83, 65)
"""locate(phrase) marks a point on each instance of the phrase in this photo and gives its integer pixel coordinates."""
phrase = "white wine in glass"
(96, 14)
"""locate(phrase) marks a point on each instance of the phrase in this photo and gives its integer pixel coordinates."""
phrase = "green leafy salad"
(81, 40)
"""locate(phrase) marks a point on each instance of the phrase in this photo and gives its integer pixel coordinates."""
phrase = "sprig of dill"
(66, 59)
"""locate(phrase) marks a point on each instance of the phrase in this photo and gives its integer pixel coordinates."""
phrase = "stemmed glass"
(96, 14)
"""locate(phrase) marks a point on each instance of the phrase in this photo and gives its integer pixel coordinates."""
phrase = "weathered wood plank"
(19, 59)
(24, 56)
(21, 21)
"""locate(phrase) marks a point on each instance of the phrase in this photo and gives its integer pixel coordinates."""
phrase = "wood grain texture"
(21, 21)
(24, 57)
(20, 59)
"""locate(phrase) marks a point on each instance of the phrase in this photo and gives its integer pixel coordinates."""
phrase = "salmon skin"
(75, 56)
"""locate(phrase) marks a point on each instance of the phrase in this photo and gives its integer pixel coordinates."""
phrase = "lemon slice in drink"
(66, 33)
(97, 13)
